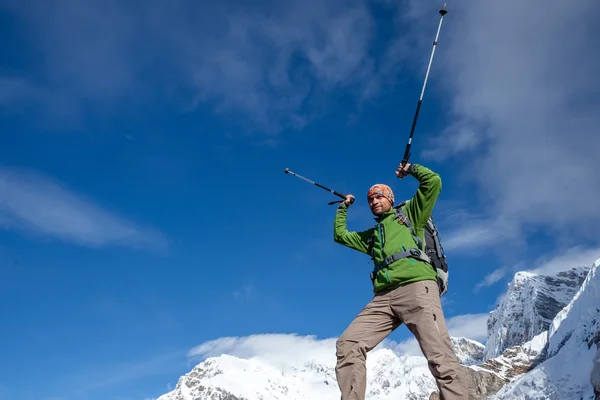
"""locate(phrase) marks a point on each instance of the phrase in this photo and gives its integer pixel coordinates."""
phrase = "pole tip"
(287, 170)
(443, 10)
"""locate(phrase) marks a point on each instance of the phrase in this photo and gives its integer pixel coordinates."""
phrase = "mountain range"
(542, 343)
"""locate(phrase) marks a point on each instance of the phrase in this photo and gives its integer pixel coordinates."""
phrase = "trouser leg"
(365, 332)
(418, 305)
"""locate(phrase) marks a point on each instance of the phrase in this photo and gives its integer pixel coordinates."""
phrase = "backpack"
(433, 253)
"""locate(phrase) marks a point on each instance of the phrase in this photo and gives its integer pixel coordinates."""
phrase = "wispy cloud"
(467, 232)
(547, 264)
(491, 278)
(578, 256)
(272, 62)
(37, 204)
(102, 377)
(524, 95)
(14, 90)
(243, 293)
(473, 236)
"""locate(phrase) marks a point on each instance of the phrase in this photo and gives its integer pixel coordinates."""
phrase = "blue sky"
(144, 208)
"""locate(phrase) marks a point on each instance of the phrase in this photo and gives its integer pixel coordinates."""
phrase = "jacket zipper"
(382, 252)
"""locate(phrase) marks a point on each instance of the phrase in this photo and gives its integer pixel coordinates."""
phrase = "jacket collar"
(384, 215)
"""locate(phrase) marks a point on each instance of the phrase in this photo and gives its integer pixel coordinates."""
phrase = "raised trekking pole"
(414, 124)
(343, 196)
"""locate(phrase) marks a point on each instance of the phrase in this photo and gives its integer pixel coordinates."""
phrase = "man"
(405, 291)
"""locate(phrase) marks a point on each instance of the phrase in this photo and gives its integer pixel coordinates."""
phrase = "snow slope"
(529, 306)
(573, 340)
(469, 352)
(231, 378)
(389, 376)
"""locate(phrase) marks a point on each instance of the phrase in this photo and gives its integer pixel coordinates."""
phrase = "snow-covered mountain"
(469, 352)
(529, 306)
(545, 351)
(389, 377)
(565, 371)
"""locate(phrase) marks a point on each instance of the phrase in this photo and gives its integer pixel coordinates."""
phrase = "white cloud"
(523, 96)
(408, 347)
(289, 350)
(551, 264)
(491, 278)
(578, 256)
(243, 293)
(36, 204)
(281, 350)
(99, 377)
(471, 326)
(471, 234)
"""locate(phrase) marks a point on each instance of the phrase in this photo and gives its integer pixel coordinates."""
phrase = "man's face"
(379, 204)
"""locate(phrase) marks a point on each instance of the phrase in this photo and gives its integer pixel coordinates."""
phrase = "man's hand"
(349, 200)
(402, 172)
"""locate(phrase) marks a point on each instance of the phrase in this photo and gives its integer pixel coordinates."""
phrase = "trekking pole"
(343, 196)
(414, 124)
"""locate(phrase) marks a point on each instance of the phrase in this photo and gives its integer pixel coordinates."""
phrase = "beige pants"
(418, 306)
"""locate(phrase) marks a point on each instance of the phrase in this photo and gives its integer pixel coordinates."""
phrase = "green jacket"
(396, 235)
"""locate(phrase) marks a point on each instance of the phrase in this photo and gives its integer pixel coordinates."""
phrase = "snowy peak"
(390, 376)
(529, 306)
(580, 319)
(469, 352)
(566, 372)
(232, 378)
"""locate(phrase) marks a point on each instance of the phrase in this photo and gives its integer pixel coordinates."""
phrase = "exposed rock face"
(518, 360)
(469, 352)
(595, 375)
(529, 306)
(482, 384)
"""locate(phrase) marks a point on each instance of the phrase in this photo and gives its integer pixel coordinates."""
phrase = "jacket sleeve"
(420, 207)
(355, 240)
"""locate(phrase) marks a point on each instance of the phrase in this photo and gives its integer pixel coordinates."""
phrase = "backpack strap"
(413, 253)
(400, 214)
(417, 253)
(436, 238)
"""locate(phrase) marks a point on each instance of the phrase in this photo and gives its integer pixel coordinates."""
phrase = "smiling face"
(379, 204)
(380, 198)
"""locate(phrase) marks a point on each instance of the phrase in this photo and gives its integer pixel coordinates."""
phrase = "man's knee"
(342, 347)
(346, 348)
